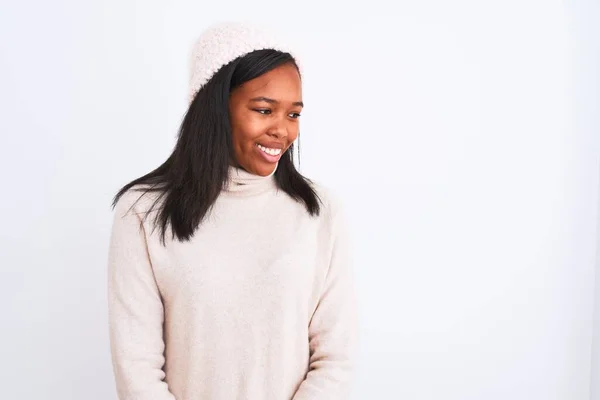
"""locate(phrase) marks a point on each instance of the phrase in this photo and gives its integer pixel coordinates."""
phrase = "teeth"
(272, 152)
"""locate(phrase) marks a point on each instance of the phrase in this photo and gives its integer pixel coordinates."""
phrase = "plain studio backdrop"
(463, 137)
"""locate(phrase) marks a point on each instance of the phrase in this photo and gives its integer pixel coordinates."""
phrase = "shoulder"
(333, 213)
(332, 205)
(137, 200)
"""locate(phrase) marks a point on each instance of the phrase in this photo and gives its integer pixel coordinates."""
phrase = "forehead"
(281, 83)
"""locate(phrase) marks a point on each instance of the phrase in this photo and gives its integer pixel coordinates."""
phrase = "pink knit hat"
(224, 42)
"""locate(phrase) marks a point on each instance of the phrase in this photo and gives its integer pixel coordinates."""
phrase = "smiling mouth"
(269, 151)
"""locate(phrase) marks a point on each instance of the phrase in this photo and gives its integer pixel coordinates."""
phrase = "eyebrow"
(273, 101)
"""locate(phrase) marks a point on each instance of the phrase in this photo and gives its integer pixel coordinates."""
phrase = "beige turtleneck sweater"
(259, 305)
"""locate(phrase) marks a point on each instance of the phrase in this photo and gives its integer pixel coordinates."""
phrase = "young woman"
(229, 272)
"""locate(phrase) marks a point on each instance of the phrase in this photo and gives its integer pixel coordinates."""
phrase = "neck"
(242, 182)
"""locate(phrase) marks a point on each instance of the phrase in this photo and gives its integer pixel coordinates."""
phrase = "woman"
(229, 273)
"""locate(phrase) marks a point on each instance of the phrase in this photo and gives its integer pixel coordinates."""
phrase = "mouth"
(269, 150)
(269, 154)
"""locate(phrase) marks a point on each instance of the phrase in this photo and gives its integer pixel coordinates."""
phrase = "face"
(264, 115)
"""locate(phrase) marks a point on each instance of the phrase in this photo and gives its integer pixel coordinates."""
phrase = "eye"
(295, 115)
(263, 111)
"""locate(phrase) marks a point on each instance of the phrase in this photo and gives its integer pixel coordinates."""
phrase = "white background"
(463, 136)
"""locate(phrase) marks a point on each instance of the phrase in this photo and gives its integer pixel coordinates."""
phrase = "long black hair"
(190, 180)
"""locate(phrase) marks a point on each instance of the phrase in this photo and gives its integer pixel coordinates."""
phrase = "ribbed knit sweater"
(258, 305)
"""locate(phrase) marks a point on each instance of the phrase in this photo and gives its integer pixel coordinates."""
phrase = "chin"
(264, 169)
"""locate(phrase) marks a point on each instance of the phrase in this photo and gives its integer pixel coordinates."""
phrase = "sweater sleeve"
(135, 310)
(333, 328)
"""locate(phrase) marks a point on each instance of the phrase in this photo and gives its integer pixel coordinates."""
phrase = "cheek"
(293, 134)
(246, 129)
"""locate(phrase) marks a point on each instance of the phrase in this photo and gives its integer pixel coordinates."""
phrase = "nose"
(278, 133)
(278, 129)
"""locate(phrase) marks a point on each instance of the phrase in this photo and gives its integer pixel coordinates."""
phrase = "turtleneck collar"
(242, 182)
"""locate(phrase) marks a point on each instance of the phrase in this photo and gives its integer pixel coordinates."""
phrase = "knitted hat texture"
(224, 42)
